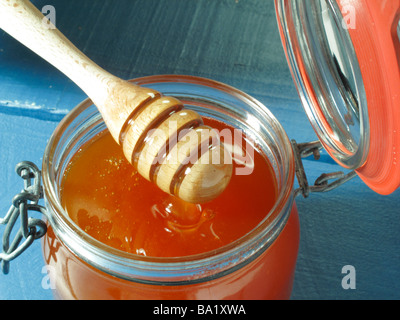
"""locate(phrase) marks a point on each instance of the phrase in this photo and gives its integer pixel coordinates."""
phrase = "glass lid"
(328, 77)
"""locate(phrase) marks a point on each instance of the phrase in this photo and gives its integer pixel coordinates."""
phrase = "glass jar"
(260, 265)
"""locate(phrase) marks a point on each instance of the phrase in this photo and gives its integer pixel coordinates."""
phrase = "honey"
(109, 200)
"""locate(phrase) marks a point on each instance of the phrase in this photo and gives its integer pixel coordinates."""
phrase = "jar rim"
(119, 262)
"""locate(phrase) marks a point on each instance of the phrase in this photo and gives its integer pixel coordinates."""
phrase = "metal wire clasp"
(322, 184)
(30, 229)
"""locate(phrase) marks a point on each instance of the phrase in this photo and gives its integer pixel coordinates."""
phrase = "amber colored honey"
(109, 200)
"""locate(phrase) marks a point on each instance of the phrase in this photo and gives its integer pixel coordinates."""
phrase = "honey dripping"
(110, 201)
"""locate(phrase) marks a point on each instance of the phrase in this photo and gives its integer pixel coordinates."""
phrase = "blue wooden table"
(233, 41)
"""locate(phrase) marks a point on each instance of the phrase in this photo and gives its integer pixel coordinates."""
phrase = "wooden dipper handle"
(169, 145)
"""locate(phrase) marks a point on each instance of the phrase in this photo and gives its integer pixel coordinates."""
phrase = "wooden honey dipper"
(190, 162)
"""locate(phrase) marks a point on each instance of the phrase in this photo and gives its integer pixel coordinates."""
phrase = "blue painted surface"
(233, 41)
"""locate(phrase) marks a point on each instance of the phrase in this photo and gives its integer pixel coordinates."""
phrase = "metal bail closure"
(344, 56)
(30, 229)
(324, 183)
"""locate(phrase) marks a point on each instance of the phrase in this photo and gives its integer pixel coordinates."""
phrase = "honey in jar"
(106, 197)
(141, 243)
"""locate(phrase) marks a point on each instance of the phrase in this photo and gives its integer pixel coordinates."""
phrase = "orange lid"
(345, 60)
